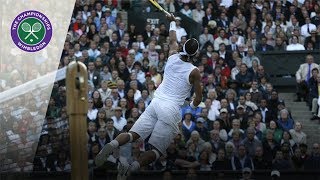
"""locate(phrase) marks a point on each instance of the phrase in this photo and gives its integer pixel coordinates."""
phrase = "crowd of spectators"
(241, 123)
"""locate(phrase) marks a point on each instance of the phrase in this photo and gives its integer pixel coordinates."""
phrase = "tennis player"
(162, 116)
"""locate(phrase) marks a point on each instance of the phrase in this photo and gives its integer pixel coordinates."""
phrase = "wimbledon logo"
(31, 31)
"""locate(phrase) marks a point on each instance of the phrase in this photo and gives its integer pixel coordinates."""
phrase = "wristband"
(192, 106)
(173, 26)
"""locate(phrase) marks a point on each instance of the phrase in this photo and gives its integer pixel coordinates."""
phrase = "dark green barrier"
(282, 65)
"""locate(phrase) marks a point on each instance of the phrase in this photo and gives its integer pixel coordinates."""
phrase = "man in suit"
(226, 55)
(121, 30)
(233, 46)
(93, 75)
(147, 33)
(266, 114)
(263, 46)
(303, 74)
(223, 21)
(114, 43)
(207, 17)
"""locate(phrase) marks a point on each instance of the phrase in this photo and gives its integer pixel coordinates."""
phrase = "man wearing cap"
(118, 121)
(180, 31)
(242, 115)
(110, 20)
(246, 174)
(275, 174)
(200, 127)
(160, 119)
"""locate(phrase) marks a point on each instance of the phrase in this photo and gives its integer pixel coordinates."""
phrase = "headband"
(184, 52)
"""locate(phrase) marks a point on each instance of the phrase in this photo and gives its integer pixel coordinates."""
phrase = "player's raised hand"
(171, 17)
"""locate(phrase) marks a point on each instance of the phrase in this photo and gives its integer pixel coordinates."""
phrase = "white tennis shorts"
(160, 119)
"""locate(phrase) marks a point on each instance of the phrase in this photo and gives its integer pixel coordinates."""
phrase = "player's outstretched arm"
(174, 47)
(195, 79)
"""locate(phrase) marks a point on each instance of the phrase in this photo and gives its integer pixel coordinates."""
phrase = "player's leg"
(141, 129)
(160, 139)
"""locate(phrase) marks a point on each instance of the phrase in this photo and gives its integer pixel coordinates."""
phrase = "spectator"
(119, 121)
(250, 142)
(297, 135)
(248, 60)
(220, 39)
(241, 161)
(180, 30)
(303, 75)
(205, 37)
(198, 13)
(295, 45)
(244, 78)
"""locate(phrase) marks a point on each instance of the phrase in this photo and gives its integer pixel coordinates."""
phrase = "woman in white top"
(249, 102)
(297, 135)
(92, 111)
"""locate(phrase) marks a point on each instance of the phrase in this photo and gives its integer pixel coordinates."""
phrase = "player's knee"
(157, 153)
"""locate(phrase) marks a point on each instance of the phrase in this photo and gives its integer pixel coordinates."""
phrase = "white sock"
(114, 143)
(134, 166)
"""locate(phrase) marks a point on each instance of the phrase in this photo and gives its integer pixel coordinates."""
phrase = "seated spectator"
(277, 132)
(295, 45)
(215, 141)
(244, 79)
(246, 173)
(250, 142)
(314, 95)
(101, 118)
(187, 124)
(270, 146)
(203, 131)
(285, 122)
(119, 121)
(196, 140)
(280, 163)
(92, 112)
(108, 107)
(235, 126)
(221, 162)
(63, 164)
(222, 132)
(297, 135)
(204, 161)
(242, 115)
(183, 161)
(297, 161)
(286, 138)
(250, 58)
(314, 39)
(249, 103)
(112, 132)
(312, 163)
(260, 161)
(92, 133)
(242, 160)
